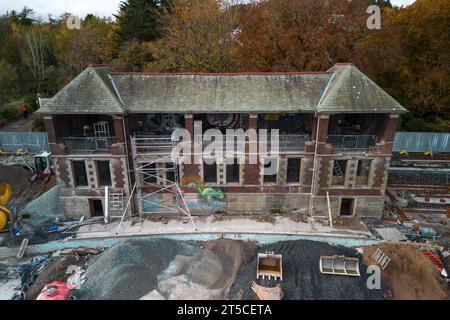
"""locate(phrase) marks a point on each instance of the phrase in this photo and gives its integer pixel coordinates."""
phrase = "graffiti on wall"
(206, 198)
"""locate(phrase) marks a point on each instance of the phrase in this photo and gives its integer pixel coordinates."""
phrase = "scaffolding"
(157, 177)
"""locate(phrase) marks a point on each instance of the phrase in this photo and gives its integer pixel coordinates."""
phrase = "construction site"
(340, 207)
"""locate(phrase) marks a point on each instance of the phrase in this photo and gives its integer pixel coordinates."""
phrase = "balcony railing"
(143, 144)
(290, 142)
(88, 144)
(163, 143)
(352, 142)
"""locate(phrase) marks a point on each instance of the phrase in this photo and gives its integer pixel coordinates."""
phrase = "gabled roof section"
(351, 91)
(91, 92)
(203, 93)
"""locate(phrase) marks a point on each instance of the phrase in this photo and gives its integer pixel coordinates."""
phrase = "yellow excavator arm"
(5, 213)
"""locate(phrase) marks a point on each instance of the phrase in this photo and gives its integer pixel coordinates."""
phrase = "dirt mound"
(302, 279)
(23, 189)
(208, 274)
(409, 274)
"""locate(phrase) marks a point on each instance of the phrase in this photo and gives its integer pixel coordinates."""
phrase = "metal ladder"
(337, 169)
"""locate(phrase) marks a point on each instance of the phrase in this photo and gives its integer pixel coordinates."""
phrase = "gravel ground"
(302, 279)
(132, 269)
(129, 269)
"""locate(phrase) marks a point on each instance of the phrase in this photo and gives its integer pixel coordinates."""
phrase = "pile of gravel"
(129, 270)
(302, 279)
(43, 210)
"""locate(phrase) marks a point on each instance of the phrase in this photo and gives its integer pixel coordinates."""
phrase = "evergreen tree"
(137, 20)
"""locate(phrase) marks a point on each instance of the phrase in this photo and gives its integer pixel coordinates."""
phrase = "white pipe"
(329, 210)
(106, 213)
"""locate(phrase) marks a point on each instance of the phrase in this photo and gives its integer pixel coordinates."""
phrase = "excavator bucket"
(269, 265)
(339, 265)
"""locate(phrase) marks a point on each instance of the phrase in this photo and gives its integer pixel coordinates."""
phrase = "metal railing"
(352, 142)
(34, 142)
(147, 144)
(88, 144)
(290, 142)
(164, 143)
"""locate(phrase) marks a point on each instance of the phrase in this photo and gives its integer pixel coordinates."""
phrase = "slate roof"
(351, 91)
(342, 89)
(220, 93)
(90, 92)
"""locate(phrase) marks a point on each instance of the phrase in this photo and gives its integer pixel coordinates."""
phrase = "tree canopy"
(408, 57)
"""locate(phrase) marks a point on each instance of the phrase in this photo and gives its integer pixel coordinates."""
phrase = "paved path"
(22, 125)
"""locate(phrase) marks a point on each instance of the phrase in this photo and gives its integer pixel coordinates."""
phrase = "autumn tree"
(76, 49)
(197, 35)
(286, 35)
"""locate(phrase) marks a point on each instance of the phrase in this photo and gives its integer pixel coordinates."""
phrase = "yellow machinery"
(5, 195)
(269, 265)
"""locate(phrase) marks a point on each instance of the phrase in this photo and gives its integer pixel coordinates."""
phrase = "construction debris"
(22, 249)
(55, 291)
(263, 293)
(410, 274)
(339, 265)
(381, 258)
(434, 258)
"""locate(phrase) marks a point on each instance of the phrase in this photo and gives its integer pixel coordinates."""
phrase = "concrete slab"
(391, 234)
(280, 225)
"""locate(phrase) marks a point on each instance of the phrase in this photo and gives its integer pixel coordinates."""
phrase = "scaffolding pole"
(155, 169)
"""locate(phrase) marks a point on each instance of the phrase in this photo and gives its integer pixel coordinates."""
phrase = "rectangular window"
(232, 172)
(149, 173)
(363, 167)
(210, 172)
(104, 173)
(339, 168)
(293, 170)
(362, 173)
(270, 170)
(79, 173)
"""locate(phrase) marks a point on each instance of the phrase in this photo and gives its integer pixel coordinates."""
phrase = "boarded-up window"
(104, 173)
(293, 170)
(79, 173)
(232, 171)
(270, 170)
(210, 173)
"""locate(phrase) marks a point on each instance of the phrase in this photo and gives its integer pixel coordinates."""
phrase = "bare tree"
(34, 53)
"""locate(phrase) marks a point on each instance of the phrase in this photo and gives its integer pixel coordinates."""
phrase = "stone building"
(336, 132)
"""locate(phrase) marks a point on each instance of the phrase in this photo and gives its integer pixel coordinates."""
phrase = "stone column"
(191, 170)
(50, 126)
(252, 171)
